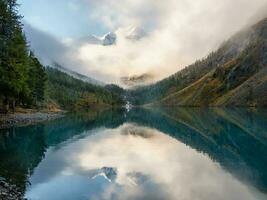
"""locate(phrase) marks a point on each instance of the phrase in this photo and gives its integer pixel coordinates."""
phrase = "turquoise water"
(187, 154)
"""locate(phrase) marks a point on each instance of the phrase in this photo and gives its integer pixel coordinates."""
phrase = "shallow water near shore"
(181, 153)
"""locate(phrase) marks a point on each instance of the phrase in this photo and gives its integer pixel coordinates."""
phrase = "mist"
(178, 32)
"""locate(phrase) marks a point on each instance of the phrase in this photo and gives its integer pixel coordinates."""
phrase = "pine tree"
(37, 80)
(13, 55)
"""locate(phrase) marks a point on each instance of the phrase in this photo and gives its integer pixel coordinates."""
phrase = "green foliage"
(236, 61)
(240, 81)
(71, 93)
(181, 79)
(23, 79)
(20, 73)
(37, 80)
(13, 52)
(115, 89)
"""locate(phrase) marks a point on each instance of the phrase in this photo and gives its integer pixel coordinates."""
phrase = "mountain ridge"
(78, 75)
(209, 82)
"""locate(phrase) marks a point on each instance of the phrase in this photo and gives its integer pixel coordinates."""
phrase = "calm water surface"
(185, 154)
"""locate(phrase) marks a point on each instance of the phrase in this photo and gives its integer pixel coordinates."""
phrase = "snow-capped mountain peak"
(106, 40)
(109, 39)
(135, 33)
(92, 39)
(132, 33)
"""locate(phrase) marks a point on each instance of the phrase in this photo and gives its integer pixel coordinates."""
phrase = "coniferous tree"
(13, 55)
(22, 77)
(37, 80)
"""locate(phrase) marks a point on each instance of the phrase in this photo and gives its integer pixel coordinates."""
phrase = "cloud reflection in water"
(138, 163)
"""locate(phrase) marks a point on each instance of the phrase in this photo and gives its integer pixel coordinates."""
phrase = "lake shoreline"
(28, 118)
(10, 191)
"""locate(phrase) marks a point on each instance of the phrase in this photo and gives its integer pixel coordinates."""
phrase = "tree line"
(26, 83)
(22, 76)
(74, 94)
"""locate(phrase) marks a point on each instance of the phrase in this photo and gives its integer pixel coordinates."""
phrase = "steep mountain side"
(240, 81)
(207, 81)
(251, 93)
(229, 50)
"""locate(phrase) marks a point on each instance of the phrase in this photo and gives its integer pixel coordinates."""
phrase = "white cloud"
(180, 31)
(149, 165)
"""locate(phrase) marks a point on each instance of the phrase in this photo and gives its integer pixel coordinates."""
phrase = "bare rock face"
(110, 172)
(109, 39)
(106, 40)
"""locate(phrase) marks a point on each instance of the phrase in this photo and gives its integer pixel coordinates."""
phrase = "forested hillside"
(235, 74)
(22, 77)
(26, 83)
(77, 75)
(240, 81)
(70, 93)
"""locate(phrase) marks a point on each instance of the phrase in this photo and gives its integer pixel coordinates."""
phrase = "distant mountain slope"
(242, 81)
(251, 92)
(107, 40)
(137, 80)
(232, 69)
(67, 92)
(78, 76)
(135, 33)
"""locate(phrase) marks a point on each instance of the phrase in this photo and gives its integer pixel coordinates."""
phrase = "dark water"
(185, 154)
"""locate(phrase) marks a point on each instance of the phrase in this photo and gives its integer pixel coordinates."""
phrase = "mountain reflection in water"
(141, 154)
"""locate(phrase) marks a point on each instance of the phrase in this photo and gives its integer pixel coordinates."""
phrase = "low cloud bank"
(152, 37)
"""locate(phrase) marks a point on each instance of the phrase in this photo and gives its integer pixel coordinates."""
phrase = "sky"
(62, 18)
(172, 33)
